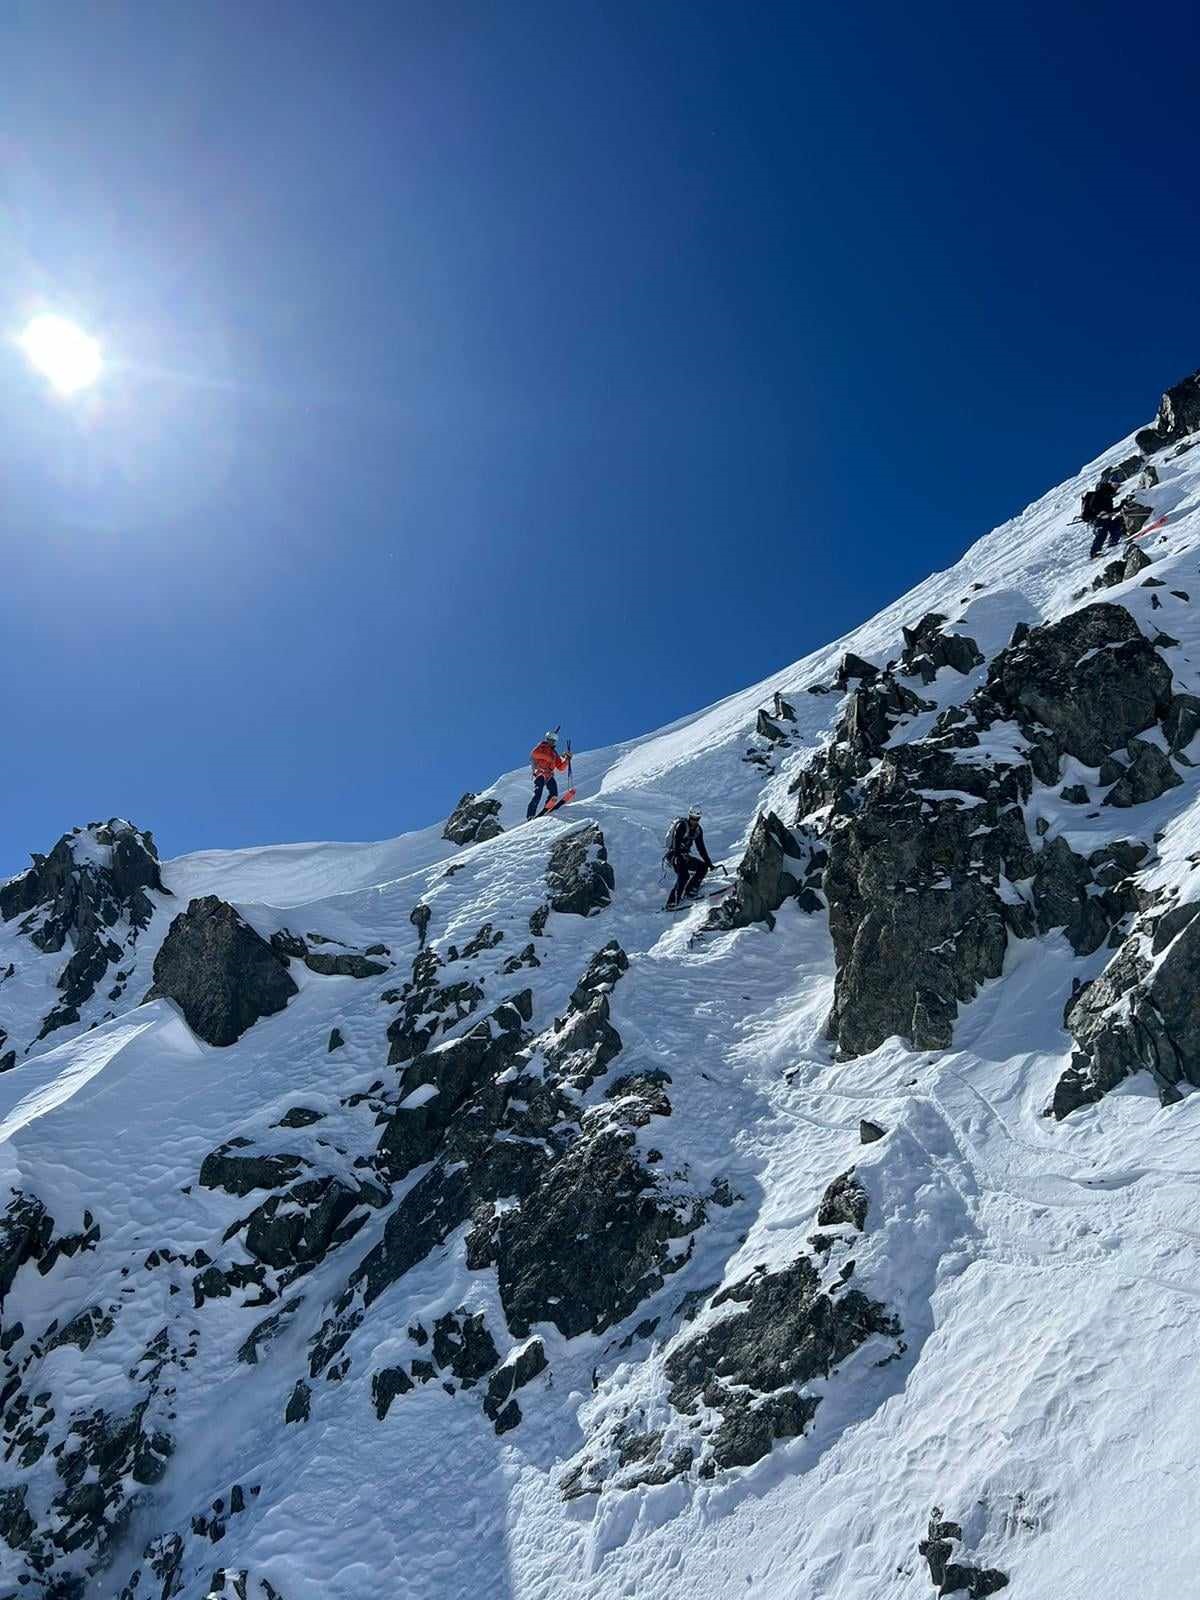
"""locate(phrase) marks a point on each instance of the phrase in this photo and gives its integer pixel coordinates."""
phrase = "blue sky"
(474, 368)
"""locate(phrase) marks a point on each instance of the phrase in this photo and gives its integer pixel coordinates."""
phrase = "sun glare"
(66, 356)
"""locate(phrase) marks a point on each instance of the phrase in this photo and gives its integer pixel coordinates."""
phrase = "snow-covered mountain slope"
(600, 1252)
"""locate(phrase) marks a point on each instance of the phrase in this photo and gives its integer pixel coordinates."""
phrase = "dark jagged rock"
(17, 1527)
(578, 876)
(299, 1403)
(219, 972)
(1148, 775)
(1092, 678)
(487, 938)
(1135, 560)
(386, 1386)
(771, 731)
(1141, 1014)
(526, 957)
(106, 1455)
(95, 880)
(336, 1040)
(778, 865)
(928, 648)
(844, 1201)
(788, 1331)
(25, 1230)
(919, 848)
(473, 820)
(419, 917)
(90, 1324)
(537, 920)
(435, 1085)
(851, 667)
(870, 1132)
(872, 715)
(956, 1577)
(428, 1008)
(1064, 891)
(1178, 416)
(226, 1168)
(462, 1345)
(519, 1368)
(300, 1227)
(328, 963)
(593, 1240)
(1181, 724)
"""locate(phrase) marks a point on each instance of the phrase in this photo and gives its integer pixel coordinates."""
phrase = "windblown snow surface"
(1046, 1274)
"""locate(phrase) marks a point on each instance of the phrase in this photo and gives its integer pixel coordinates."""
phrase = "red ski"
(1149, 528)
(560, 800)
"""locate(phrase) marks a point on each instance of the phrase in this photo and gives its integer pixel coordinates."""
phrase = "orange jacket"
(546, 759)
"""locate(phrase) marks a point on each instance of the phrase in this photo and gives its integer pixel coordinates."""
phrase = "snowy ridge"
(1030, 1369)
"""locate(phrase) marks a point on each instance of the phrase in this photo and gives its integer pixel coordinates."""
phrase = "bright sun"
(62, 353)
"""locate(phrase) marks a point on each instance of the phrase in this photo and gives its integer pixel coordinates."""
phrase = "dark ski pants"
(550, 785)
(690, 873)
(1107, 528)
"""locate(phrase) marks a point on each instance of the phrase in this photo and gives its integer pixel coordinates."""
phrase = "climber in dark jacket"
(690, 870)
(1100, 513)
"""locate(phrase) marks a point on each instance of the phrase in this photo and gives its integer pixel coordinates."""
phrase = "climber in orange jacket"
(546, 761)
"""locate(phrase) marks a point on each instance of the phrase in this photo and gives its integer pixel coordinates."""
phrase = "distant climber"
(546, 761)
(1099, 511)
(690, 870)
(419, 917)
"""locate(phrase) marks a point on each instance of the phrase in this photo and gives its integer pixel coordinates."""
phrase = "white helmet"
(694, 813)
(550, 738)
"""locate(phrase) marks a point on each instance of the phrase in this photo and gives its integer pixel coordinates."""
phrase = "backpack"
(669, 841)
(1089, 508)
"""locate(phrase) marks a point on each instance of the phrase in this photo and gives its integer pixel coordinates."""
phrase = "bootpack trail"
(832, 1241)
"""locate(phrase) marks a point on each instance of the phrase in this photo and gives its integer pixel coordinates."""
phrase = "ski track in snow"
(1046, 1275)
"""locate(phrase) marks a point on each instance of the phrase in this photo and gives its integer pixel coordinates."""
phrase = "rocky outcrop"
(1093, 679)
(578, 876)
(950, 1575)
(928, 841)
(1147, 775)
(341, 963)
(778, 865)
(474, 820)
(25, 1230)
(594, 1237)
(434, 1086)
(219, 972)
(428, 1008)
(928, 648)
(1178, 416)
(745, 1366)
(1141, 1014)
(93, 892)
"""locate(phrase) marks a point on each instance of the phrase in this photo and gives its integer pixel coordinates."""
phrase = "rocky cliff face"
(704, 1255)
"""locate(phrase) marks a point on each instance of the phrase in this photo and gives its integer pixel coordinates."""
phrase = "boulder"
(950, 1576)
(1092, 678)
(473, 820)
(1148, 775)
(219, 972)
(1178, 415)
(1141, 1014)
(787, 1331)
(594, 1238)
(578, 876)
(777, 865)
(852, 667)
(928, 648)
